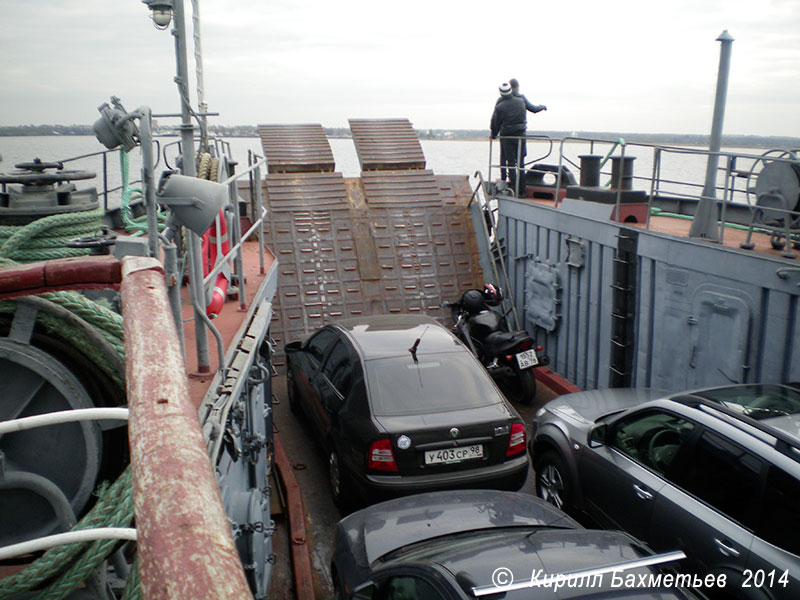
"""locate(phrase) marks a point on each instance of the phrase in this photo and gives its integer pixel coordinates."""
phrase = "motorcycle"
(508, 356)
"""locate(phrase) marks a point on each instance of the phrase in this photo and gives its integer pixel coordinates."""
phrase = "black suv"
(714, 472)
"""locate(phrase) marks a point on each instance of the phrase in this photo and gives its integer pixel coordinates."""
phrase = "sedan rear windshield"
(436, 383)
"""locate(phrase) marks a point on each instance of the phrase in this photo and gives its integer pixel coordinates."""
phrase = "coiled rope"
(25, 240)
(63, 568)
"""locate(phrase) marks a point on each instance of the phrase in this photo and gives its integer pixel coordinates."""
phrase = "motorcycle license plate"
(527, 359)
(453, 455)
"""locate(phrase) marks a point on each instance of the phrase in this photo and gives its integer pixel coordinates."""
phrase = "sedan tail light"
(516, 441)
(381, 457)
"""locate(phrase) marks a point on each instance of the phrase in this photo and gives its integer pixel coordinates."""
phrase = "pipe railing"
(659, 185)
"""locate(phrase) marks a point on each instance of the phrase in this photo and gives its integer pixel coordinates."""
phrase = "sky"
(615, 65)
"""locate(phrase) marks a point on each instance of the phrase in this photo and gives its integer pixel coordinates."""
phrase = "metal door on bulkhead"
(704, 342)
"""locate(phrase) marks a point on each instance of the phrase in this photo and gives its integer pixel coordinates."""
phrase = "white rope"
(70, 537)
(64, 416)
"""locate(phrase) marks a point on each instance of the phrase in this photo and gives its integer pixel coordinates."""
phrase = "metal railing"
(735, 189)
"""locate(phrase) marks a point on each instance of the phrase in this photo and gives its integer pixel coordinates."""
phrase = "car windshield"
(439, 382)
(757, 401)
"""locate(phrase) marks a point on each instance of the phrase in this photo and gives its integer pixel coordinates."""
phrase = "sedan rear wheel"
(552, 484)
(291, 393)
(342, 497)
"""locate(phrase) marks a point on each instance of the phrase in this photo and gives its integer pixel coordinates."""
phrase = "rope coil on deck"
(97, 332)
(24, 240)
(114, 508)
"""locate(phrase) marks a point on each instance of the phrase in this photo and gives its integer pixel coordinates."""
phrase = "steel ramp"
(296, 148)
(386, 144)
(344, 250)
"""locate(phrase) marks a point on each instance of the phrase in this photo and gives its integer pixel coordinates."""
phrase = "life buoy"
(215, 246)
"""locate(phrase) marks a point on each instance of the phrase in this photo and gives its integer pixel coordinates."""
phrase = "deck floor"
(732, 236)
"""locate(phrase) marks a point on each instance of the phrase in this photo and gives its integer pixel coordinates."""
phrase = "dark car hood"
(382, 528)
(586, 407)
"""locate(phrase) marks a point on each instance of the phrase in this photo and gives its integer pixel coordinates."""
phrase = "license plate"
(453, 455)
(527, 359)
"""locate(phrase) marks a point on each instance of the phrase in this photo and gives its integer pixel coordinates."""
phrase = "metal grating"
(296, 148)
(385, 189)
(307, 191)
(401, 259)
(385, 144)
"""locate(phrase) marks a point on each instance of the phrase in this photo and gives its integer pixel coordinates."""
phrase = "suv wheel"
(552, 484)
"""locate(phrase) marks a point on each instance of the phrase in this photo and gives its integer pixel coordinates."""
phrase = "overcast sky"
(612, 65)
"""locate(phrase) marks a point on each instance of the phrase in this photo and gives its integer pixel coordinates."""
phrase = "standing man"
(534, 108)
(509, 119)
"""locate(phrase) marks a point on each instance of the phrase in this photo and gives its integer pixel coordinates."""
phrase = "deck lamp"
(116, 126)
(194, 203)
(160, 12)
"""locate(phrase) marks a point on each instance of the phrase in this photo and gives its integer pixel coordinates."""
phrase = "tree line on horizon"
(441, 134)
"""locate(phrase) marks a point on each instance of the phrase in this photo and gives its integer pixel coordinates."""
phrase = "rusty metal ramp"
(290, 192)
(386, 144)
(345, 250)
(296, 148)
(395, 189)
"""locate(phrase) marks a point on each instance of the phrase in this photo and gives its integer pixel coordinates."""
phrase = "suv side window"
(780, 518)
(319, 344)
(725, 476)
(652, 438)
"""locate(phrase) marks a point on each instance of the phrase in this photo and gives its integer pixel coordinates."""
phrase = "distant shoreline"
(247, 131)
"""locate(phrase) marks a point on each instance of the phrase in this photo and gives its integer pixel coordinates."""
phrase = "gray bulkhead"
(698, 314)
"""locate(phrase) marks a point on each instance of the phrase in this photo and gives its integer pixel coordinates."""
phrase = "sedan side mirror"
(296, 345)
(597, 437)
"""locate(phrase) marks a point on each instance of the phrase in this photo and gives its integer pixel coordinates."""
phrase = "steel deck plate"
(385, 189)
(296, 148)
(384, 144)
(306, 191)
(402, 259)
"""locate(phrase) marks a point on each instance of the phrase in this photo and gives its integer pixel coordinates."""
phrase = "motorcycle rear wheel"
(520, 388)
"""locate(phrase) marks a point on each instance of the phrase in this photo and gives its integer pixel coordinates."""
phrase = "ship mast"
(704, 224)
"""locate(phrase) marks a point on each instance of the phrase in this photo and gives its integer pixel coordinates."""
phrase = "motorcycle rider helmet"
(472, 301)
(492, 294)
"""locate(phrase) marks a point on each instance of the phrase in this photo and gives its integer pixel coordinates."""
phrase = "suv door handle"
(642, 493)
(726, 549)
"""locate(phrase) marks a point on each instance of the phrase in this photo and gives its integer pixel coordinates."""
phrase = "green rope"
(21, 242)
(135, 225)
(132, 588)
(114, 508)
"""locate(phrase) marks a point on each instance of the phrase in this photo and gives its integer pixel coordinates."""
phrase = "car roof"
(385, 336)
(785, 425)
(377, 530)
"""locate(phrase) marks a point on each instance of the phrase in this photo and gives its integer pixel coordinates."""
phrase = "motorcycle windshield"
(435, 383)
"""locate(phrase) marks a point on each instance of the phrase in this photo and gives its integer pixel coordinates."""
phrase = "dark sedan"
(480, 543)
(402, 406)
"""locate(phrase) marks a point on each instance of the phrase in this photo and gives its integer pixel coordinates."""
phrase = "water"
(444, 157)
